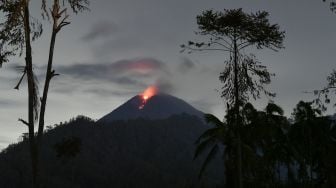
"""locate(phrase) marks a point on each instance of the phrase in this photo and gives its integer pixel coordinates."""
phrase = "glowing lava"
(147, 94)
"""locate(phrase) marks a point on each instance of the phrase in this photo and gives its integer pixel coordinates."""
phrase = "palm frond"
(209, 158)
(216, 133)
(209, 118)
(201, 147)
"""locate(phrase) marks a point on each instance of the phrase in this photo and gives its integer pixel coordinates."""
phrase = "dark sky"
(120, 47)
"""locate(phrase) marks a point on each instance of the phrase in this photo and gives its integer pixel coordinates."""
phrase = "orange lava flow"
(147, 94)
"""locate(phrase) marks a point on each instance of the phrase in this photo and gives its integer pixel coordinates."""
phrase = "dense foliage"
(278, 152)
(136, 153)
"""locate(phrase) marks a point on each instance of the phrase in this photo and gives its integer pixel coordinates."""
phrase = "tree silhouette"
(18, 30)
(231, 31)
(264, 145)
(221, 134)
(324, 95)
(332, 5)
(265, 132)
(59, 16)
(313, 138)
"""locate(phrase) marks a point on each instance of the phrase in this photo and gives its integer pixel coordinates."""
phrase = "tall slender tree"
(324, 96)
(17, 31)
(310, 148)
(231, 31)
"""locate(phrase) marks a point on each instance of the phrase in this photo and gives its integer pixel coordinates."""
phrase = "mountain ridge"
(159, 106)
(150, 147)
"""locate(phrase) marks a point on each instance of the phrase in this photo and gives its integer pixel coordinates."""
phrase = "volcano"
(148, 142)
(159, 106)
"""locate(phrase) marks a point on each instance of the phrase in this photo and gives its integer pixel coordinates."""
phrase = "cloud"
(203, 105)
(186, 65)
(9, 103)
(101, 30)
(165, 86)
(125, 77)
(118, 44)
(108, 92)
(132, 74)
(113, 71)
(15, 67)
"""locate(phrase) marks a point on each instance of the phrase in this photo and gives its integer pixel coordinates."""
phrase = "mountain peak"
(159, 106)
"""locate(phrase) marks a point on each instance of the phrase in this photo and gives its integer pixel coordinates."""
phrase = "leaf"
(203, 146)
(209, 118)
(208, 159)
(213, 133)
(190, 43)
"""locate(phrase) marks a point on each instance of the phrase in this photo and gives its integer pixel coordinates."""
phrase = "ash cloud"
(165, 86)
(186, 65)
(133, 75)
(118, 72)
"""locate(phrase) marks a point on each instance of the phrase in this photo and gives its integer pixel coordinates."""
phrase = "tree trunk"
(237, 123)
(239, 162)
(31, 86)
(49, 75)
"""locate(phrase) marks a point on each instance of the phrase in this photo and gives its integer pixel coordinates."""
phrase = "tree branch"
(63, 11)
(206, 49)
(220, 38)
(24, 122)
(324, 90)
(63, 23)
(53, 74)
(18, 84)
(244, 45)
(220, 44)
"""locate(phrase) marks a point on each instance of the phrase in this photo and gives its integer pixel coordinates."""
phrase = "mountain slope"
(153, 147)
(157, 107)
(138, 153)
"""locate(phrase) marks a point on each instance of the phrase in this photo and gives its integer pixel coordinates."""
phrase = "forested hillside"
(134, 153)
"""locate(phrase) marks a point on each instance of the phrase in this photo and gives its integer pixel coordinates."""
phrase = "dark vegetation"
(276, 151)
(136, 153)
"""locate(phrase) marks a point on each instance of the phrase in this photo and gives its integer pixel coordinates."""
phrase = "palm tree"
(270, 143)
(265, 145)
(265, 132)
(222, 134)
